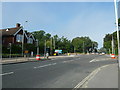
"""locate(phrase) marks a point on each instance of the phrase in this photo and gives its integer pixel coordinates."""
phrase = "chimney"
(17, 25)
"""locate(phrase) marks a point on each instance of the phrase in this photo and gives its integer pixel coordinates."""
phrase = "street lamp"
(54, 42)
(37, 47)
(112, 43)
(51, 45)
(45, 49)
(116, 15)
(74, 49)
(10, 49)
(23, 40)
(83, 47)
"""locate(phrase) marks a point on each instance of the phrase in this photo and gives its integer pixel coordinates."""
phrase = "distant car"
(103, 53)
(97, 53)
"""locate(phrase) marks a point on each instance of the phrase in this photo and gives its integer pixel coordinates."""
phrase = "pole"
(92, 47)
(45, 49)
(112, 43)
(51, 45)
(23, 40)
(23, 43)
(37, 47)
(83, 47)
(10, 49)
(109, 51)
(54, 43)
(74, 49)
(116, 15)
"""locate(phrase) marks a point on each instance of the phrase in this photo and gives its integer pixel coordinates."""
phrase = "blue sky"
(69, 19)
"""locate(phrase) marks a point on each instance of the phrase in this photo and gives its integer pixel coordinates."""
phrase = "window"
(19, 38)
(30, 40)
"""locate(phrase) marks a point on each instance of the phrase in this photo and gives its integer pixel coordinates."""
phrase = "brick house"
(15, 35)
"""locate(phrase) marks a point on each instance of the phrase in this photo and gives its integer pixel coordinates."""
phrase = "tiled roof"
(9, 31)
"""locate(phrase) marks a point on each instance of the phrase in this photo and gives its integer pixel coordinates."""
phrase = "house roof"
(14, 31)
(10, 31)
(30, 35)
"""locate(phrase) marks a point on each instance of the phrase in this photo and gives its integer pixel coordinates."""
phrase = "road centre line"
(6, 73)
(96, 60)
(93, 60)
(67, 61)
(45, 65)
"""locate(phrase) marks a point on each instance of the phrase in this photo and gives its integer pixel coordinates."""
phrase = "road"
(64, 72)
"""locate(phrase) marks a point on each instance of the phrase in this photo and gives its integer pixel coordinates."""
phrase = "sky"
(68, 19)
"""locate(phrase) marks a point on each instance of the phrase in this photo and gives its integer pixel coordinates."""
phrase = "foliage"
(15, 49)
(84, 44)
(30, 47)
(107, 42)
(52, 43)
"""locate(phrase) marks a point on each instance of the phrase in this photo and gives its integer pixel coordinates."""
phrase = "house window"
(19, 38)
(30, 40)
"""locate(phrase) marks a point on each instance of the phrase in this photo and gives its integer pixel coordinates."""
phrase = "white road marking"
(67, 61)
(6, 73)
(45, 65)
(84, 82)
(93, 60)
(52, 59)
(96, 60)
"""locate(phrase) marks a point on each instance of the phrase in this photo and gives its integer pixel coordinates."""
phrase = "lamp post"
(74, 49)
(10, 49)
(92, 47)
(117, 28)
(45, 49)
(23, 40)
(23, 43)
(51, 45)
(54, 42)
(83, 47)
(37, 47)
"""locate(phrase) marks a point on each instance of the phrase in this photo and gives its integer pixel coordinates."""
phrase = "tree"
(84, 44)
(107, 42)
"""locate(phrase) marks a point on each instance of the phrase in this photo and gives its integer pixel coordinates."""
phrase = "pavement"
(27, 59)
(105, 76)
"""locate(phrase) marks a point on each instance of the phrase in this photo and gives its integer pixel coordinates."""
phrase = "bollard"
(37, 57)
(113, 56)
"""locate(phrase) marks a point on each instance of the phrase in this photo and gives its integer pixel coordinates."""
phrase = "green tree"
(107, 42)
(83, 44)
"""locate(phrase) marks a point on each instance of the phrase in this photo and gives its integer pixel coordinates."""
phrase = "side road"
(28, 59)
